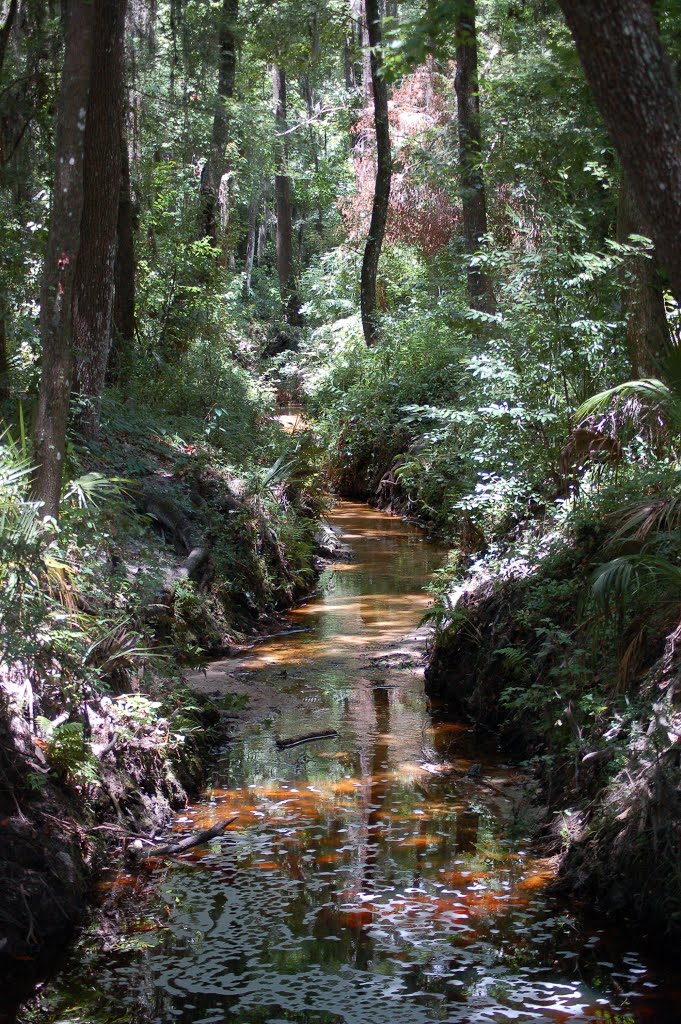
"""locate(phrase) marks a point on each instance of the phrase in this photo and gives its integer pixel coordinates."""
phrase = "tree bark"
(6, 30)
(4, 355)
(94, 285)
(363, 28)
(282, 195)
(253, 208)
(60, 260)
(123, 333)
(379, 212)
(635, 88)
(473, 200)
(648, 337)
(214, 167)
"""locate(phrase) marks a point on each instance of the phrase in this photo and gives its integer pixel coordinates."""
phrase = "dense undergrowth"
(175, 542)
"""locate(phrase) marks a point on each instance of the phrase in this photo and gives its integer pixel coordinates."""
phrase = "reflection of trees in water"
(379, 767)
(467, 827)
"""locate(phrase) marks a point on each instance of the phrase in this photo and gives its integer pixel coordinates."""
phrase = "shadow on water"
(380, 876)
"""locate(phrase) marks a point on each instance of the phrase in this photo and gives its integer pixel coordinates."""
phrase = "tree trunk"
(123, 334)
(282, 196)
(392, 12)
(214, 167)
(6, 30)
(253, 208)
(379, 212)
(364, 13)
(473, 202)
(94, 285)
(635, 88)
(648, 338)
(348, 66)
(4, 355)
(60, 260)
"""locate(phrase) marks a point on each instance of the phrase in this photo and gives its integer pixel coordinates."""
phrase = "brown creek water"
(369, 878)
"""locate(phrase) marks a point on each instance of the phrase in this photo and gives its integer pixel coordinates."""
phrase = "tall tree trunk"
(379, 212)
(4, 355)
(473, 201)
(348, 66)
(94, 285)
(123, 333)
(635, 88)
(364, 14)
(214, 167)
(392, 12)
(60, 260)
(282, 195)
(648, 338)
(6, 30)
(253, 208)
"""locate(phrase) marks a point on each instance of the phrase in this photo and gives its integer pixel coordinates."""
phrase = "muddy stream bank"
(381, 875)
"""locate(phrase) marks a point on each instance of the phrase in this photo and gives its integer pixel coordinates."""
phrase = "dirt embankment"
(608, 755)
(88, 763)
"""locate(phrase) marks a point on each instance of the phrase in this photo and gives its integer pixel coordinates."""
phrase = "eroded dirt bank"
(604, 749)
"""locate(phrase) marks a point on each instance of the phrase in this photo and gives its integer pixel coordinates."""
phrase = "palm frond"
(621, 578)
(91, 488)
(648, 389)
(641, 519)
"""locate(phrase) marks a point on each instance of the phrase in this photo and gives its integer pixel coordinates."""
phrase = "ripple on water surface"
(370, 878)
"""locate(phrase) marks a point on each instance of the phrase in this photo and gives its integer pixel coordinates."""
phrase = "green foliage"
(69, 752)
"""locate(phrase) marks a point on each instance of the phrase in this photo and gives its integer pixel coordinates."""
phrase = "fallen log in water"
(309, 737)
(137, 853)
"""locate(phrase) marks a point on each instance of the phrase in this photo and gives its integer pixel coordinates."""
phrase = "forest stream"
(379, 875)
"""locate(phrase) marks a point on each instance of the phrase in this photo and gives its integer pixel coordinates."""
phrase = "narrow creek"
(379, 876)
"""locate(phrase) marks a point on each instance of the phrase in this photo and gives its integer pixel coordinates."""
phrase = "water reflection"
(371, 878)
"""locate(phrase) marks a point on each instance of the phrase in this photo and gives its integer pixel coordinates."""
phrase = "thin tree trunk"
(379, 212)
(6, 29)
(648, 338)
(123, 333)
(253, 208)
(4, 356)
(473, 201)
(392, 12)
(94, 286)
(214, 167)
(60, 260)
(282, 195)
(364, 14)
(348, 67)
(262, 236)
(635, 88)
